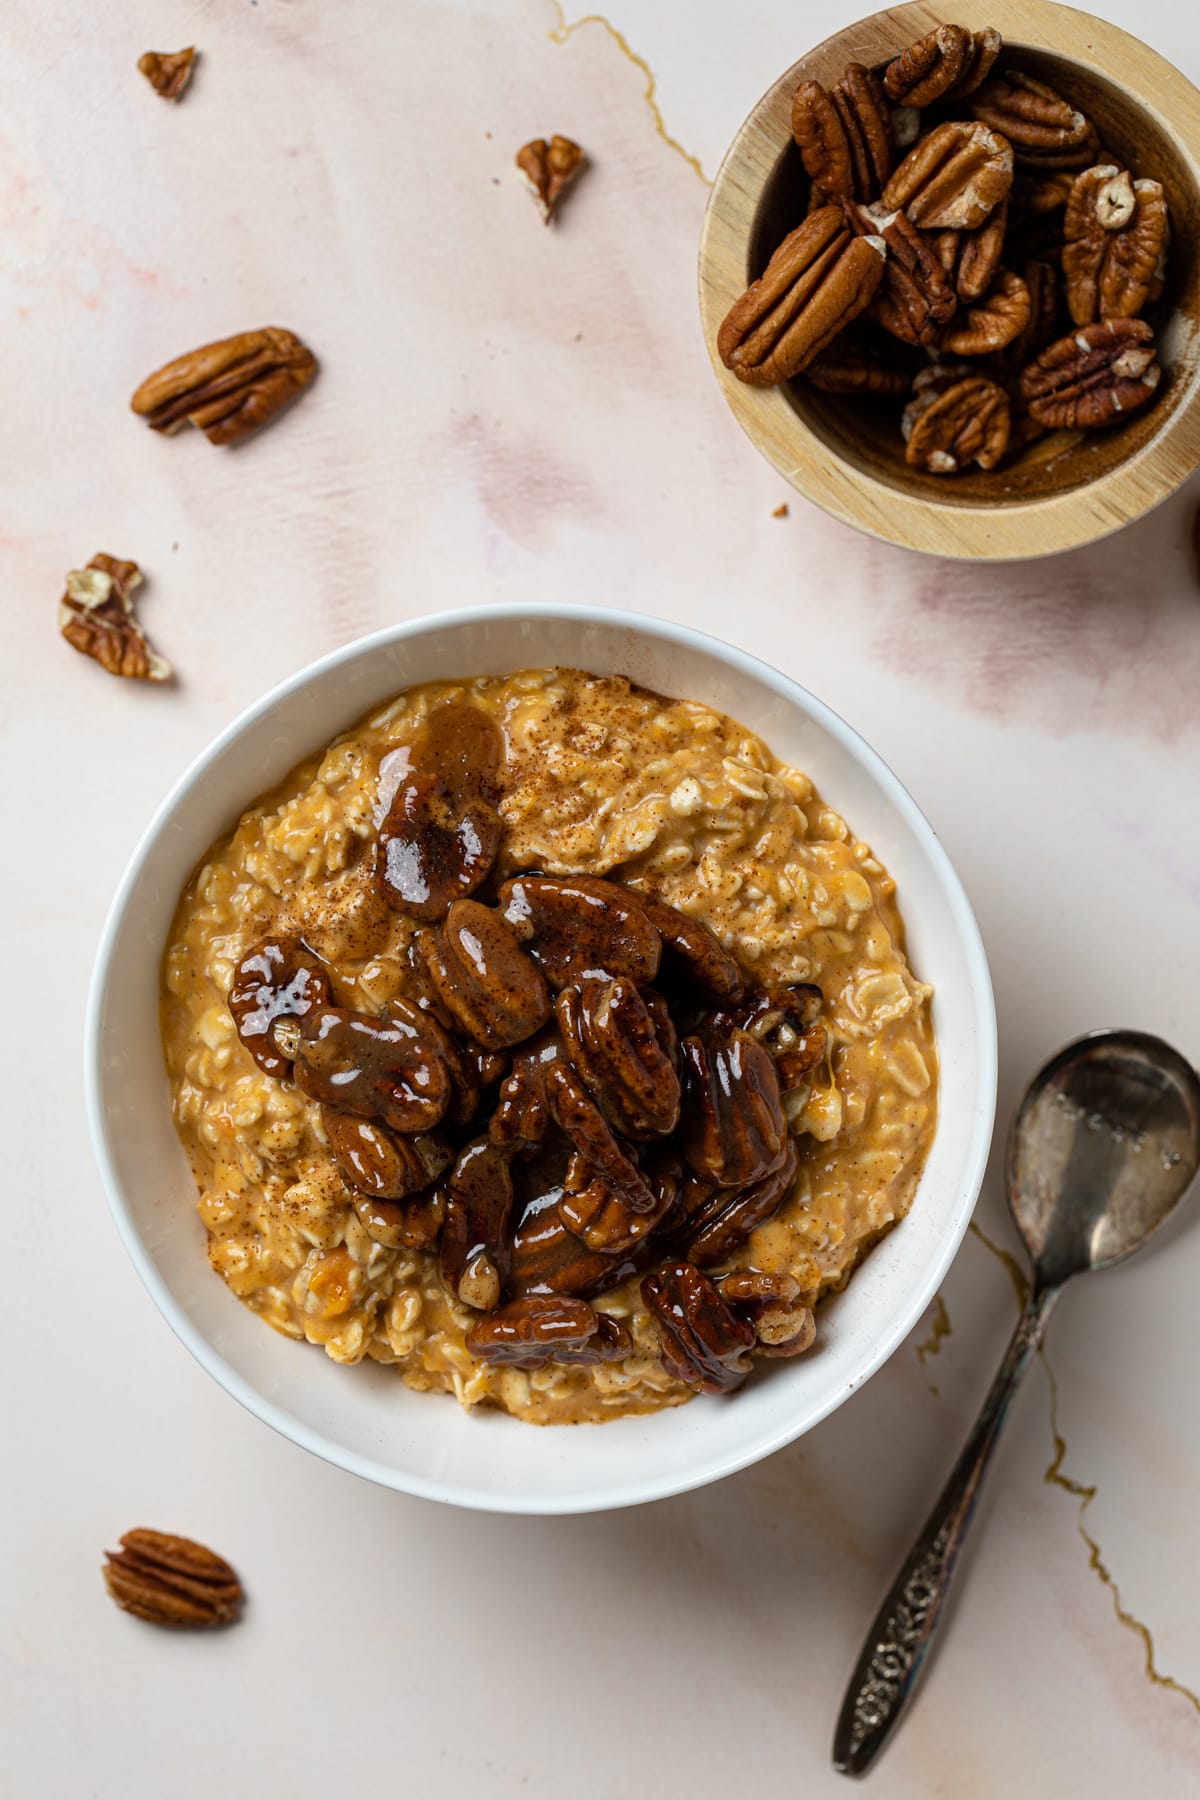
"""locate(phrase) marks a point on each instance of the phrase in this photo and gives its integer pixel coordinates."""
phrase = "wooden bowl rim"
(1016, 529)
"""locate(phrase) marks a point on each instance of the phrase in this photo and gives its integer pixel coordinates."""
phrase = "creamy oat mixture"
(603, 778)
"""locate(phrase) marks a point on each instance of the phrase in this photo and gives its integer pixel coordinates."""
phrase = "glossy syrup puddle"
(563, 32)
(1083, 1492)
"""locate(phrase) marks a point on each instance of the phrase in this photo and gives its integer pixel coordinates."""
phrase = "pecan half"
(605, 1222)
(374, 1161)
(1114, 241)
(549, 1258)
(733, 1127)
(991, 323)
(495, 993)
(966, 422)
(548, 169)
(1045, 131)
(694, 953)
(986, 46)
(953, 178)
(971, 258)
(613, 1042)
(844, 135)
(719, 1236)
(169, 1580)
(783, 1326)
(538, 1329)
(915, 299)
(96, 617)
(576, 1113)
(279, 979)
(385, 1068)
(703, 1342)
(168, 71)
(852, 368)
(1043, 282)
(476, 1247)
(442, 830)
(929, 68)
(578, 925)
(1094, 377)
(230, 388)
(820, 278)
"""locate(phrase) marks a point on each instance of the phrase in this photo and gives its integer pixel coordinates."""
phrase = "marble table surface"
(505, 412)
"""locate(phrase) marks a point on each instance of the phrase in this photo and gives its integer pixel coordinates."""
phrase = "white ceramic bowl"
(365, 1419)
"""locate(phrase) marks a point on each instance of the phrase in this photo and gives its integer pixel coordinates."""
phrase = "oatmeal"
(550, 1041)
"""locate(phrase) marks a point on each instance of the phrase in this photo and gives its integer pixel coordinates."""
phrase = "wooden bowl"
(846, 454)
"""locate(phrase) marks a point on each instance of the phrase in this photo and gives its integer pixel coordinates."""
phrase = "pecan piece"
(719, 1236)
(820, 278)
(915, 299)
(703, 1342)
(385, 1068)
(733, 1128)
(577, 1115)
(953, 178)
(929, 68)
(409, 1225)
(694, 952)
(548, 1258)
(578, 925)
(783, 1326)
(1094, 377)
(522, 1113)
(1114, 243)
(495, 993)
(168, 71)
(279, 979)
(991, 323)
(1045, 131)
(476, 1248)
(96, 617)
(785, 1021)
(548, 169)
(605, 1222)
(852, 368)
(967, 421)
(972, 258)
(373, 1161)
(169, 1580)
(612, 1040)
(230, 388)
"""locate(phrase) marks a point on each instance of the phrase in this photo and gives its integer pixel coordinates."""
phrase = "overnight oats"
(549, 1041)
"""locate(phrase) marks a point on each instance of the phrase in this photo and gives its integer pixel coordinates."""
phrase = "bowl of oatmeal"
(531, 1018)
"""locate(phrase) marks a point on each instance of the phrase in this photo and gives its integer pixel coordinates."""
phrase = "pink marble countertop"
(505, 412)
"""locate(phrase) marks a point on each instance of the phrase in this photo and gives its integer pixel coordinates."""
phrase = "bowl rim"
(1017, 530)
(278, 1417)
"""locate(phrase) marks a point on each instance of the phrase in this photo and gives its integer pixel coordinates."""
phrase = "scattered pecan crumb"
(168, 71)
(172, 1581)
(548, 169)
(781, 512)
(95, 616)
(230, 388)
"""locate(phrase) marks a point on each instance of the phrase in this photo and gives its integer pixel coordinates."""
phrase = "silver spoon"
(1103, 1147)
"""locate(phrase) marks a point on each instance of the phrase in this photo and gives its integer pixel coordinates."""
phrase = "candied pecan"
(783, 1326)
(914, 300)
(991, 323)
(577, 925)
(278, 979)
(495, 993)
(411, 1224)
(929, 68)
(1114, 240)
(548, 1258)
(612, 1040)
(820, 278)
(703, 1342)
(576, 1113)
(1045, 131)
(693, 951)
(785, 1021)
(1093, 377)
(168, 71)
(719, 1236)
(522, 1113)
(96, 617)
(605, 1222)
(476, 1247)
(967, 421)
(953, 178)
(169, 1580)
(548, 169)
(971, 258)
(230, 388)
(467, 1076)
(375, 1162)
(733, 1127)
(442, 831)
(526, 1333)
(385, 1068)
(852, 368)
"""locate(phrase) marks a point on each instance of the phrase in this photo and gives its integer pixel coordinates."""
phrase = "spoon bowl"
(1103, 1148)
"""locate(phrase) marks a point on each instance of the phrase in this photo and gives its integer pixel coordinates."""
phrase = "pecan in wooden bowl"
(949, 283)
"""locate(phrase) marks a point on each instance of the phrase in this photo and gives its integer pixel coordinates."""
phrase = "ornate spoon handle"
(890, 1665)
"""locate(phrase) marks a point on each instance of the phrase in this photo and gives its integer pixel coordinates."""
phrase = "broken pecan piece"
(992, 322)
(1045, 131)
(703, 1342)
(783, 1326)
(548, 169)
(784, 1020)
(733, 1127)
(915, 300)
(613, 1041)
(971, 258)
(579, 925)
(929, 68)
(385, 1068)
(953, 178)
(1114, 243)
(168, 71)
(1094, 377)
(279, 979)
(373, 1161)
(96, 617)
(495, 993)
(719, 1236)
(169, 1580)
(964, 422)
(230, 388)
(820, 278)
